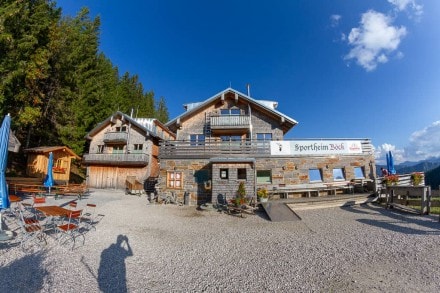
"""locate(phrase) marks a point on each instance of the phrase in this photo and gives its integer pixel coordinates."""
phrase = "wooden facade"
(232, 138)
(38, 158)
(122, 146)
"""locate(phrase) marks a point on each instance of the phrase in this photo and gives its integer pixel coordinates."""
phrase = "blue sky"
(342, 69)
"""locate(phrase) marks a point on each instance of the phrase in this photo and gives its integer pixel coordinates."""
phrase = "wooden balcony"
(210, 149)
(115, 137)
(228, 123)
(116, 159)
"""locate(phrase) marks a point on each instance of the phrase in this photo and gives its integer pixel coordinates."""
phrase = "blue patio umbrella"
(4, 195)
(391, 169)
(48, 180)
(388, 163)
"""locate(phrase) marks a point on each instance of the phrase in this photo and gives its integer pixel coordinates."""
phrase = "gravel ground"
(156, 248)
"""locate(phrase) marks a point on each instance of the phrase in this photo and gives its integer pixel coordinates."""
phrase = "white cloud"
(334, 19)
(374, 40)
(402, 5)
(423, 144)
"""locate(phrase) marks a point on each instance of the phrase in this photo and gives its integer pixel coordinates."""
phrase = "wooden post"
(426, 197)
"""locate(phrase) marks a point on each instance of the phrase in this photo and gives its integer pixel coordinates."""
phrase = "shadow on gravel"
(26, 274)
(397, 220)
(112, 271)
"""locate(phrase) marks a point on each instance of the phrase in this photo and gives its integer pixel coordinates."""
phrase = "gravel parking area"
(157, 248)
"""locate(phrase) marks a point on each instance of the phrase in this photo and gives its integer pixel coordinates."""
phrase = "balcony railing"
(230, 122)
(115, 137)
(244, 148)
(116, 159)
(210, 149)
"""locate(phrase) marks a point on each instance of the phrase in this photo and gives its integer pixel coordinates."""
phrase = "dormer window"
(232, 111)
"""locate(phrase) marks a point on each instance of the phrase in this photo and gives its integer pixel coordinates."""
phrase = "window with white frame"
(174, 179)
(138, 147)
(338, 174)
(232, 111)
(359, 173)
(197, 139)
(224, 174)
(264, 176)
(264, 136)
(315, 175)
(100, 149)
(118, 149)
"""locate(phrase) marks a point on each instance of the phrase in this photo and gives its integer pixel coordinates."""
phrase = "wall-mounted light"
(284, 167)
(326, 166)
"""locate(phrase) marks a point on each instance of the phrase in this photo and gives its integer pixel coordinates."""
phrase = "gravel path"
(179, 249)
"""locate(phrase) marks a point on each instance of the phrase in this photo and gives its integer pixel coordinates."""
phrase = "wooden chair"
(70, 229)
(38, 201)
(32, 236)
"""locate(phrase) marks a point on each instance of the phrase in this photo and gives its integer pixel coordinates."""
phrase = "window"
(121, 129)
(100, 149)
(197, 139)
(264, 136)
(174, 179)
(224, 173)
(230, 138)
(137, 148)
(264, 176)
(359, 173)
(338, 174)
(315, 175)
(118, 149)
(233, 111)
(241, 173)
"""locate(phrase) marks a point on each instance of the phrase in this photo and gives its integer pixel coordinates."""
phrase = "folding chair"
(88, 217)
(32, 234)
(71, 228)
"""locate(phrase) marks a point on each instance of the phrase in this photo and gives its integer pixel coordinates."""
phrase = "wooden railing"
(209, 149)
(230, 122)
(115, 137)
(116, 159)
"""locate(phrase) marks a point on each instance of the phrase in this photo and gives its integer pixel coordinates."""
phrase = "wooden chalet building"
(123, 146)
(38, 158)
(231, 138)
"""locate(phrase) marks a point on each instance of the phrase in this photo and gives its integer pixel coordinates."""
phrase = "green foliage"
(53, 80)
(432, 178)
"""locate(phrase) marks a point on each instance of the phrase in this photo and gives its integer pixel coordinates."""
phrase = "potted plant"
(390, 180)
(240, 198)
(416, 178)
(262, 194)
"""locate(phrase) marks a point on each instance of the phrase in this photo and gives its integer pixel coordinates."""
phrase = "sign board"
(315, 147)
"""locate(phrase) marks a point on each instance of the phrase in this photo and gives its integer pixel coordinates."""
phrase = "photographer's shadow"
(112, 271)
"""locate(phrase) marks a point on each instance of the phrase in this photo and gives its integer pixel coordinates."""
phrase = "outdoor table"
(54, 211)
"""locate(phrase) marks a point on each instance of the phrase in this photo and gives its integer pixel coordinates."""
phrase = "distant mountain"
(409, 167)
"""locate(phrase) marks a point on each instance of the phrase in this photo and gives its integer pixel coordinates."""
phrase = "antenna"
(248, 86)
(230, 84)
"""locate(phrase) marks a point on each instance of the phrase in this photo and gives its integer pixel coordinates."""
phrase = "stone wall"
(284, 171)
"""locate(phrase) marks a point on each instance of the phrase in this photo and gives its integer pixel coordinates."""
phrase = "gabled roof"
(145, 124)
(266, 105)
(48, 149)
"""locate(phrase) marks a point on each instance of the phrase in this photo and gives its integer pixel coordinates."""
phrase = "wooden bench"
(335, 186)
(78, 190)
(310, 189)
